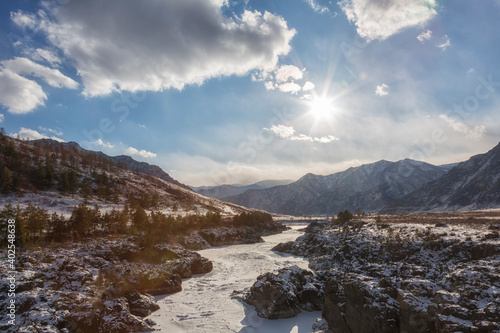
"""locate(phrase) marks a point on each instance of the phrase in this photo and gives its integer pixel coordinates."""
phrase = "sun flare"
(321, 107)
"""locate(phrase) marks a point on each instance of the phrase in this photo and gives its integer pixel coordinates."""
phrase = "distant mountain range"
(473, 184)
(368, 188)
(224, 191)
(402, 186)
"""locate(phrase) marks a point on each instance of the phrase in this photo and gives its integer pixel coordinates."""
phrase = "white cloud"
(290, 87)
(308, 86)
(282, 131)
(382, 89)
(471, 70)
(24, 20)
(323, 139)
(26, 133)
(288, 133)
(50, 130)
(22, 95)
(269, 85)
(143, 153)
(445, 43)
(287, 72)
(100, 143)
(2, 117)
(42, 55)
(317, 7)
(377, 19)
(426, 35)
(470, 133)
(155, 45)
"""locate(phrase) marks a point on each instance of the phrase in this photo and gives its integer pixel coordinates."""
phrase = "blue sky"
(220, 91)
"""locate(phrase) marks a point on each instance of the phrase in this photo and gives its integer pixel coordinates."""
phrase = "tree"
(81, 220)
(86, 188)
(7, 182)
(140, 220)
(344, 216)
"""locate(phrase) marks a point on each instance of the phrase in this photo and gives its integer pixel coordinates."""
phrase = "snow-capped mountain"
(224, 191)
(367, 188)
(473, 184)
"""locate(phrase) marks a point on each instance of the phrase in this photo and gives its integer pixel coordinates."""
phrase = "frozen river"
(205, 304)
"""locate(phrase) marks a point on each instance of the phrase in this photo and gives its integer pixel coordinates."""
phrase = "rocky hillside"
(59, 176)
(409, 273)
(367, 188)
(473, 184)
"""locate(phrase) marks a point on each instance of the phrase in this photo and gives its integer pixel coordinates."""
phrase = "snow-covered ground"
(206, 305)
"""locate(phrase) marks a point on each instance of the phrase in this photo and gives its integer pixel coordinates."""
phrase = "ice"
(206, 305)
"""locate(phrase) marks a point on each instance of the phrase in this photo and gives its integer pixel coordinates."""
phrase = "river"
(205, 304)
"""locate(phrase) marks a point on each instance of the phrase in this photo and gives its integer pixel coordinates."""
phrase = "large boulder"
(284, 294)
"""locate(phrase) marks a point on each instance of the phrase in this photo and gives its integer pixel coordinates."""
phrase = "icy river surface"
(205, 303)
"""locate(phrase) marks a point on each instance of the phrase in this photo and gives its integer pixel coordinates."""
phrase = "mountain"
(473, 184)
(367, 188)
(224, 191)
(59, 175)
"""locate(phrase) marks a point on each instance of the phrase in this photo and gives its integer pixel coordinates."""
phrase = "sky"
(234, 92)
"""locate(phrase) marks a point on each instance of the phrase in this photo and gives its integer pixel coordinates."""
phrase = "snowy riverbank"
(206, 305)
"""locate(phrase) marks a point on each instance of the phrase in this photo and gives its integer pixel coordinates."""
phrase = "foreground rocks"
(107, 285)
(388, 277)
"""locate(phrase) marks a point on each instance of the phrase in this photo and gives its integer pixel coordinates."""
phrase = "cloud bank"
(158, 44)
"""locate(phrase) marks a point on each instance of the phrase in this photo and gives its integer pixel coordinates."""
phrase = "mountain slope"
(367, 188)
(473, 184)
(59, 176)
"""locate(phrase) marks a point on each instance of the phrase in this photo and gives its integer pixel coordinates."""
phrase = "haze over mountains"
(224, 191)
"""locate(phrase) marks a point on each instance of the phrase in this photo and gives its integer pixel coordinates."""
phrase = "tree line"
(36, 226)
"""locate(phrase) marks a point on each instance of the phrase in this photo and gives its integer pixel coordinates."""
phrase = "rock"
(491, 235)
(141, 305)
(272, 299)
(283, 294)
(344, 299)
(201, 265)
(169, 285)
(441, 225)
(284, 247)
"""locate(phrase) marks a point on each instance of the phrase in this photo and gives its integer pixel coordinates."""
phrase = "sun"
(321, 107)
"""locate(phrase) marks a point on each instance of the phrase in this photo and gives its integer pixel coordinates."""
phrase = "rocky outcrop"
(102, 285)
(207, 237)
(284, 294)
(408, 277)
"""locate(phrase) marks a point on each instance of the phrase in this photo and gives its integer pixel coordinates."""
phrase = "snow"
(206, 305)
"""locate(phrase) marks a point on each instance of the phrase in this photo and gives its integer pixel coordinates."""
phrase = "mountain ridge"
(472, 184)
(368, 188)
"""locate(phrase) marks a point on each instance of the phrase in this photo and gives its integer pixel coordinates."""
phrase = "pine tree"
(7, 182)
